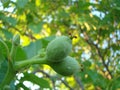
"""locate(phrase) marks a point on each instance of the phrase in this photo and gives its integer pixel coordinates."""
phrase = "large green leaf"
(20, 54)
(33, 48)
(3, 50)
(36, 80)
(3, 70)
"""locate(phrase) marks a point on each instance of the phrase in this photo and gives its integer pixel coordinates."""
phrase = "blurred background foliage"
(95, 23)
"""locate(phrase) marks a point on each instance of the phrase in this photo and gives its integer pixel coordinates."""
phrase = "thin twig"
(26, 34)
(18, 30)
(48, 76)
(53, 82)
(90, 42)
(79, 82)
(66, 84)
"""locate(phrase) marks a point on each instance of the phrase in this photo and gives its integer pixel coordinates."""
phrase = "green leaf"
(84, 77)
(95, 77)
(87, 64)
(22, 3)
(2, 52)
(117, 8)
(118, 66)
(33, 48)
(12, 21)
(36, 80)
(12, 85)
(21, 85)
(114, 84)
(36, 27)
(29, 18)
(2, 15)
(63, 13)
(5, 3)
(7, 34)
(20, 54)
(46, 40)
(2, 58)
(3, 49)
(3, 70)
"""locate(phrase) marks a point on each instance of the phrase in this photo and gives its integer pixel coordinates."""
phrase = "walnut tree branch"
(90, 42)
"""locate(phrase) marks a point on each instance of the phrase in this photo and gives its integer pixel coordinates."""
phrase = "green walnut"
(66, 67)
(58, 48)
